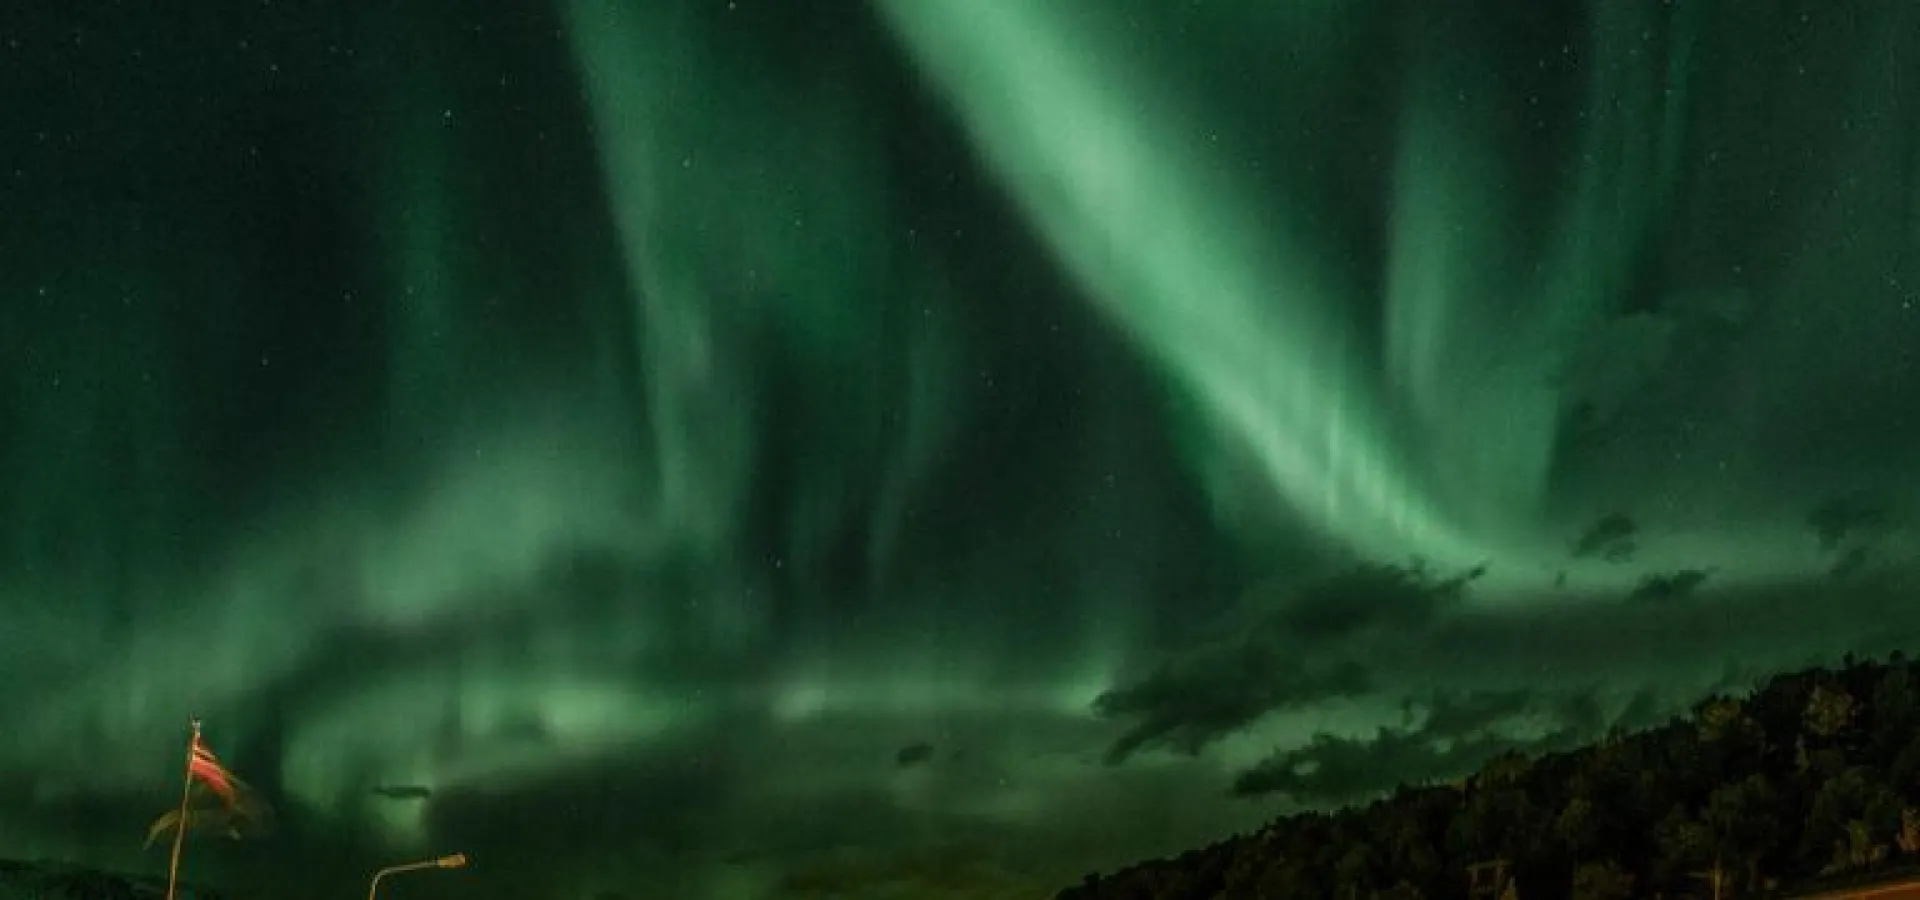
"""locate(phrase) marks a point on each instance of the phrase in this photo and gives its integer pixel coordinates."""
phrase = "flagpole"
(180, 827)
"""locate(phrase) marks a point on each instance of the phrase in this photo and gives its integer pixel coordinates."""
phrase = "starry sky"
(920, 448)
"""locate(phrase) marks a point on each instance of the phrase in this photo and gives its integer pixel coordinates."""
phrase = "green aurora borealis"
(637, 422)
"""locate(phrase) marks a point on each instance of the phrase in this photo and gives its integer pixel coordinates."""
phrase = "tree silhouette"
(1813, 776)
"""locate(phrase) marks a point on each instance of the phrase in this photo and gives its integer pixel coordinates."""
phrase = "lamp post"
(451, 861)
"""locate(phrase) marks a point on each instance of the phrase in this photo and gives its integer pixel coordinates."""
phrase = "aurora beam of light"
(1478, 335)
(1238, 311)
(701, 440)
(755, 283)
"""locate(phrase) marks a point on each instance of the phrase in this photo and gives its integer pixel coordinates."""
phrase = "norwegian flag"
(237, 812)
(206, 767)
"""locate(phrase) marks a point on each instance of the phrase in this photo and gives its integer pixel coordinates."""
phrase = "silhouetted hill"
(1811, 780)
(58, 881)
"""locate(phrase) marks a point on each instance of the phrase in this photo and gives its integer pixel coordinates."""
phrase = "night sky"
(920, 448)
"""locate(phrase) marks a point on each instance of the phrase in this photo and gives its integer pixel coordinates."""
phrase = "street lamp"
(451, 861)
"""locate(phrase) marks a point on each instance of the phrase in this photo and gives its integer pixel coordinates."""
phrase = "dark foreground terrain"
(1808, 785)
(56, 881)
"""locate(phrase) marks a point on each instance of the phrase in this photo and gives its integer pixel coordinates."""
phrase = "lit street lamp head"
(450, 861)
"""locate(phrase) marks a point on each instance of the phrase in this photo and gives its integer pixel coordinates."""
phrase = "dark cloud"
(1293, 657)
(1722, 626)
(1612, 537)
(1669, 587)
(1850, 563)
(1188, 705)
(1588, 664)
(913, 754)
(1854, 515)
(1367, 597)
(1459, 732)
(1454, 715)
